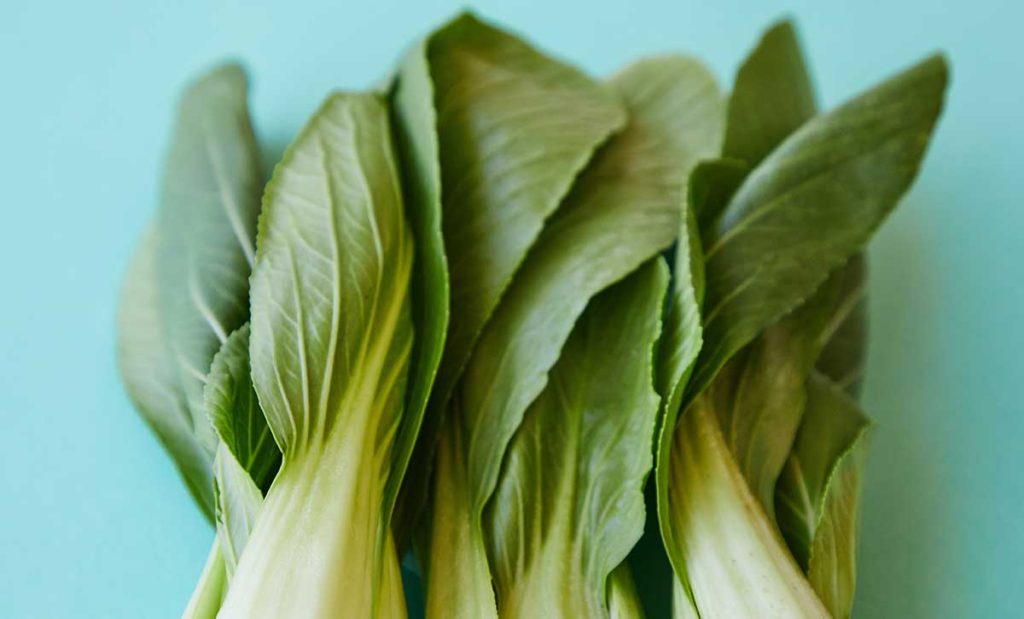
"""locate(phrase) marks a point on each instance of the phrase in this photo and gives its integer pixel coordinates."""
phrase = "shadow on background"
(904, 554)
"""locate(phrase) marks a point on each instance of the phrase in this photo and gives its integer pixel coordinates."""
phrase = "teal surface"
(94, 522)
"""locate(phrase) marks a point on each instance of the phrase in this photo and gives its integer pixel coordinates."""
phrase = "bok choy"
(446, 336)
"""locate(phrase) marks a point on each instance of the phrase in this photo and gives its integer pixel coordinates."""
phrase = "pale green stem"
(209, 592)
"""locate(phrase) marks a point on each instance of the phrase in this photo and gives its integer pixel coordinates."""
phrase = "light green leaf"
(569, 503)
(841, 172)
(247, 457)
(197, 278)
(772, 98)
(151, 378)
(238, 503)
(330, 345)
(236, 414)
(819, 489)
(514, 127)
(210, 200)
(635, 183)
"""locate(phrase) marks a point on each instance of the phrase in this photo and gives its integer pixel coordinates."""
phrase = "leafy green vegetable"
(188, 285)
(462, 337)
(569, 503)
(330, 346)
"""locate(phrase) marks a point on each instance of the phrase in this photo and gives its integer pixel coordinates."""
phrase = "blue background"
(93, 519)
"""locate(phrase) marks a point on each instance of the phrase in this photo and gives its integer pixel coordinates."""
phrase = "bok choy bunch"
(447, 330)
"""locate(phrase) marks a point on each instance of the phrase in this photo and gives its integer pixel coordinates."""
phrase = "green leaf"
(569, 503)
(635, 183)
(415, 127)
(514, 128)
(151, 378)
(841, 172)
(330, 346)
(210, 200)
(236, 414)
(198, 273)
(772, 98)
(819, 489)
(759, 398)
(239, 500)
(843, 358)
(247, 457)
(736, 562)
(712, 184)
(678, 349)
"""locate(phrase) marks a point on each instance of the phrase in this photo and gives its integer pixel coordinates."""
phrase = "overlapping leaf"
(569, 502)
(497, 131)
(841, 172)
(635, 183)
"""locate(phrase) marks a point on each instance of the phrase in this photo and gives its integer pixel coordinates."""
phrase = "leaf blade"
(569, 505)
(852, 165)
